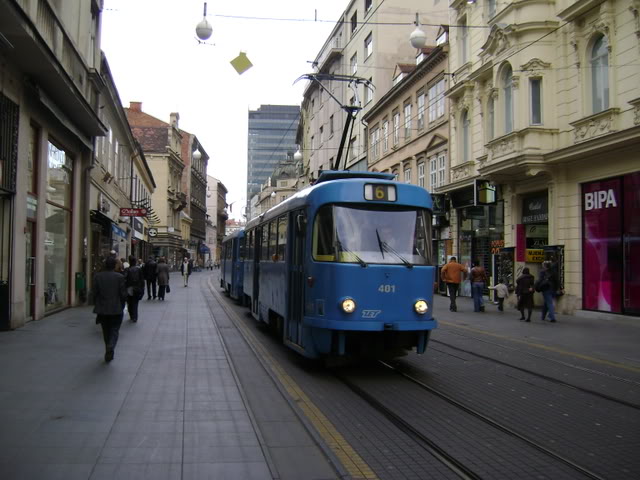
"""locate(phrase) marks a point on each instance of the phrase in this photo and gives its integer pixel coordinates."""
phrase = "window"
(313, 144)
(395, 175)
(407, 175)
(352, 148)
(331, 125)
(313, 105)
(421, 111)
(367, 5)
(442, 168)
(491, 7)
(375, 142)
(463, 33)
(535, 85)
(490, 117)
(385, 135)
(436, 100)
(465, 140)
(396, 128)
(507, 89)
(282, 236)
(273, 238)
(321, 135)
(368, 46)
(354, 63)
(368, 92)
(421, 174)
(433, 172)
(354, 23)
(600, 74)
(407, 121)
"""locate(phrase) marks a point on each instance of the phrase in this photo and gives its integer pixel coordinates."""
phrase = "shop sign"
(534, 255)
(521, 242)
(535, 209)
(485, 192)
(153, 232)
(439, 204)
(537, 231)
(138, 229)
(118, 231)
(133, 212)
(496, 246)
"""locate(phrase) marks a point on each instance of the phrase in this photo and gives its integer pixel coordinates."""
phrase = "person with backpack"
(547, 284)
(134, 281)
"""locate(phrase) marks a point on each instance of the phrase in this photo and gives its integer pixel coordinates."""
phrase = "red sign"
(133, 212)
(521, 243)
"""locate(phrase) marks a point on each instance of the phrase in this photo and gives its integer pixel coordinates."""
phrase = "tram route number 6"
(387, 289)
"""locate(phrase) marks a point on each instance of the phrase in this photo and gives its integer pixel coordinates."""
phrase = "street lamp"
(204, 29)
(196, 155)
(298, 155)
(418, 38)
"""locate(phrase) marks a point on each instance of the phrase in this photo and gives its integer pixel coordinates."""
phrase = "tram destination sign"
(133, 212)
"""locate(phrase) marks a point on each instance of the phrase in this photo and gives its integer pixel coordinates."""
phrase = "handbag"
(168, 288)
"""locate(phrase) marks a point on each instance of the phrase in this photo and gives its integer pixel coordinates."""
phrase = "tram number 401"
(387, 288)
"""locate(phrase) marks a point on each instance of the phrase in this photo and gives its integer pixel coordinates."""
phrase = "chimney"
(175, 116)
(135, 106)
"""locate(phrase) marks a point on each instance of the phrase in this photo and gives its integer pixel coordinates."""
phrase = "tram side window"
(273, 238)
(282, 237)
(249, 251)
(422, 235)
(323, 235)
(264, 255)
(241, 254)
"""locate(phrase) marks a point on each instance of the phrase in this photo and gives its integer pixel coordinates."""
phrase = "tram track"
(549, 378)
(458, 466)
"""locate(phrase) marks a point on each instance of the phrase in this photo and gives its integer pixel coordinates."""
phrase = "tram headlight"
(348, 305)
(421, 307)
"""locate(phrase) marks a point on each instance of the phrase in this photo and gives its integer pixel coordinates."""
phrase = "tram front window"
(366, 235)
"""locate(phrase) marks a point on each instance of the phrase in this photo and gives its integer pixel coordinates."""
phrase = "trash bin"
(5, 310)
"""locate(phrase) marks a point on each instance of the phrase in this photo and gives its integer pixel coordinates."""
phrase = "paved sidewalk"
(614, 340)
(168, 406)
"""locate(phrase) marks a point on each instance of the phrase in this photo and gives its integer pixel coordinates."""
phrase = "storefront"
(611, 244)
(57, 232)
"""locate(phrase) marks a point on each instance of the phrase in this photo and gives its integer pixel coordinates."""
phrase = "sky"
(155, 58)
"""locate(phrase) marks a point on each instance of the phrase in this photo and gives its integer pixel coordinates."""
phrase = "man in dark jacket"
(134, 281)
(150, 271)
(109, 294)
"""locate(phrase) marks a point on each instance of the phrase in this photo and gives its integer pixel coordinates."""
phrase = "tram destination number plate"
(380, 193)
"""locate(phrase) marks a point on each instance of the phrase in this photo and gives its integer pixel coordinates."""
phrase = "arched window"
(507, 90)
(466, 137)
(600, 74)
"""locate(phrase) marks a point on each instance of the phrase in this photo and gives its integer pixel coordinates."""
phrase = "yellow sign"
(534, 255)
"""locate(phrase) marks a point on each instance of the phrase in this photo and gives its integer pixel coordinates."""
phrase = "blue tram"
(231, 265)
(343, 268)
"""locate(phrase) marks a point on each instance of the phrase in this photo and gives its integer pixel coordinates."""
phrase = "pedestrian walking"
(547, 284)
(452, 274)
(150, 273)
(162, 270)
(185, 270)
(134, 281)
(478, 281)
(502, 291)
(109, 296)
(524, 291)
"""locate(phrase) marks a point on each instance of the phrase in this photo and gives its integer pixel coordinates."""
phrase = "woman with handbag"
(163, 278)
(524, 291)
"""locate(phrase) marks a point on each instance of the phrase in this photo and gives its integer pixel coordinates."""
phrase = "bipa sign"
(600, 199)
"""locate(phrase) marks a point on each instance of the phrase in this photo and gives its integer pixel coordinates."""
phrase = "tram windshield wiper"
(384, 246)
(341, 248)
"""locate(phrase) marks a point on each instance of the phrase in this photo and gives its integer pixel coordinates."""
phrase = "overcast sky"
(155, 58)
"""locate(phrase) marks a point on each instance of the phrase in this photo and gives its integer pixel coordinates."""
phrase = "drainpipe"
(87, 223)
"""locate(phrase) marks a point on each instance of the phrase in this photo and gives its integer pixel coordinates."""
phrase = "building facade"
(272, 137)
(366, 42)
(545, 107)
(49, 101)
(161, 143)
(216, 216)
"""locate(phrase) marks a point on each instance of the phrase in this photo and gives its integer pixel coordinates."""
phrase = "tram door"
(296, 277)
(257, 253)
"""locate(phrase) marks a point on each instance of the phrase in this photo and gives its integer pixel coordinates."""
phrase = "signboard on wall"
(535, 209)
(534, 255)
(521, 242)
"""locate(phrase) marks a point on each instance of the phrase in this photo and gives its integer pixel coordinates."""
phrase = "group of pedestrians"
(122, 283)
(453, 273)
